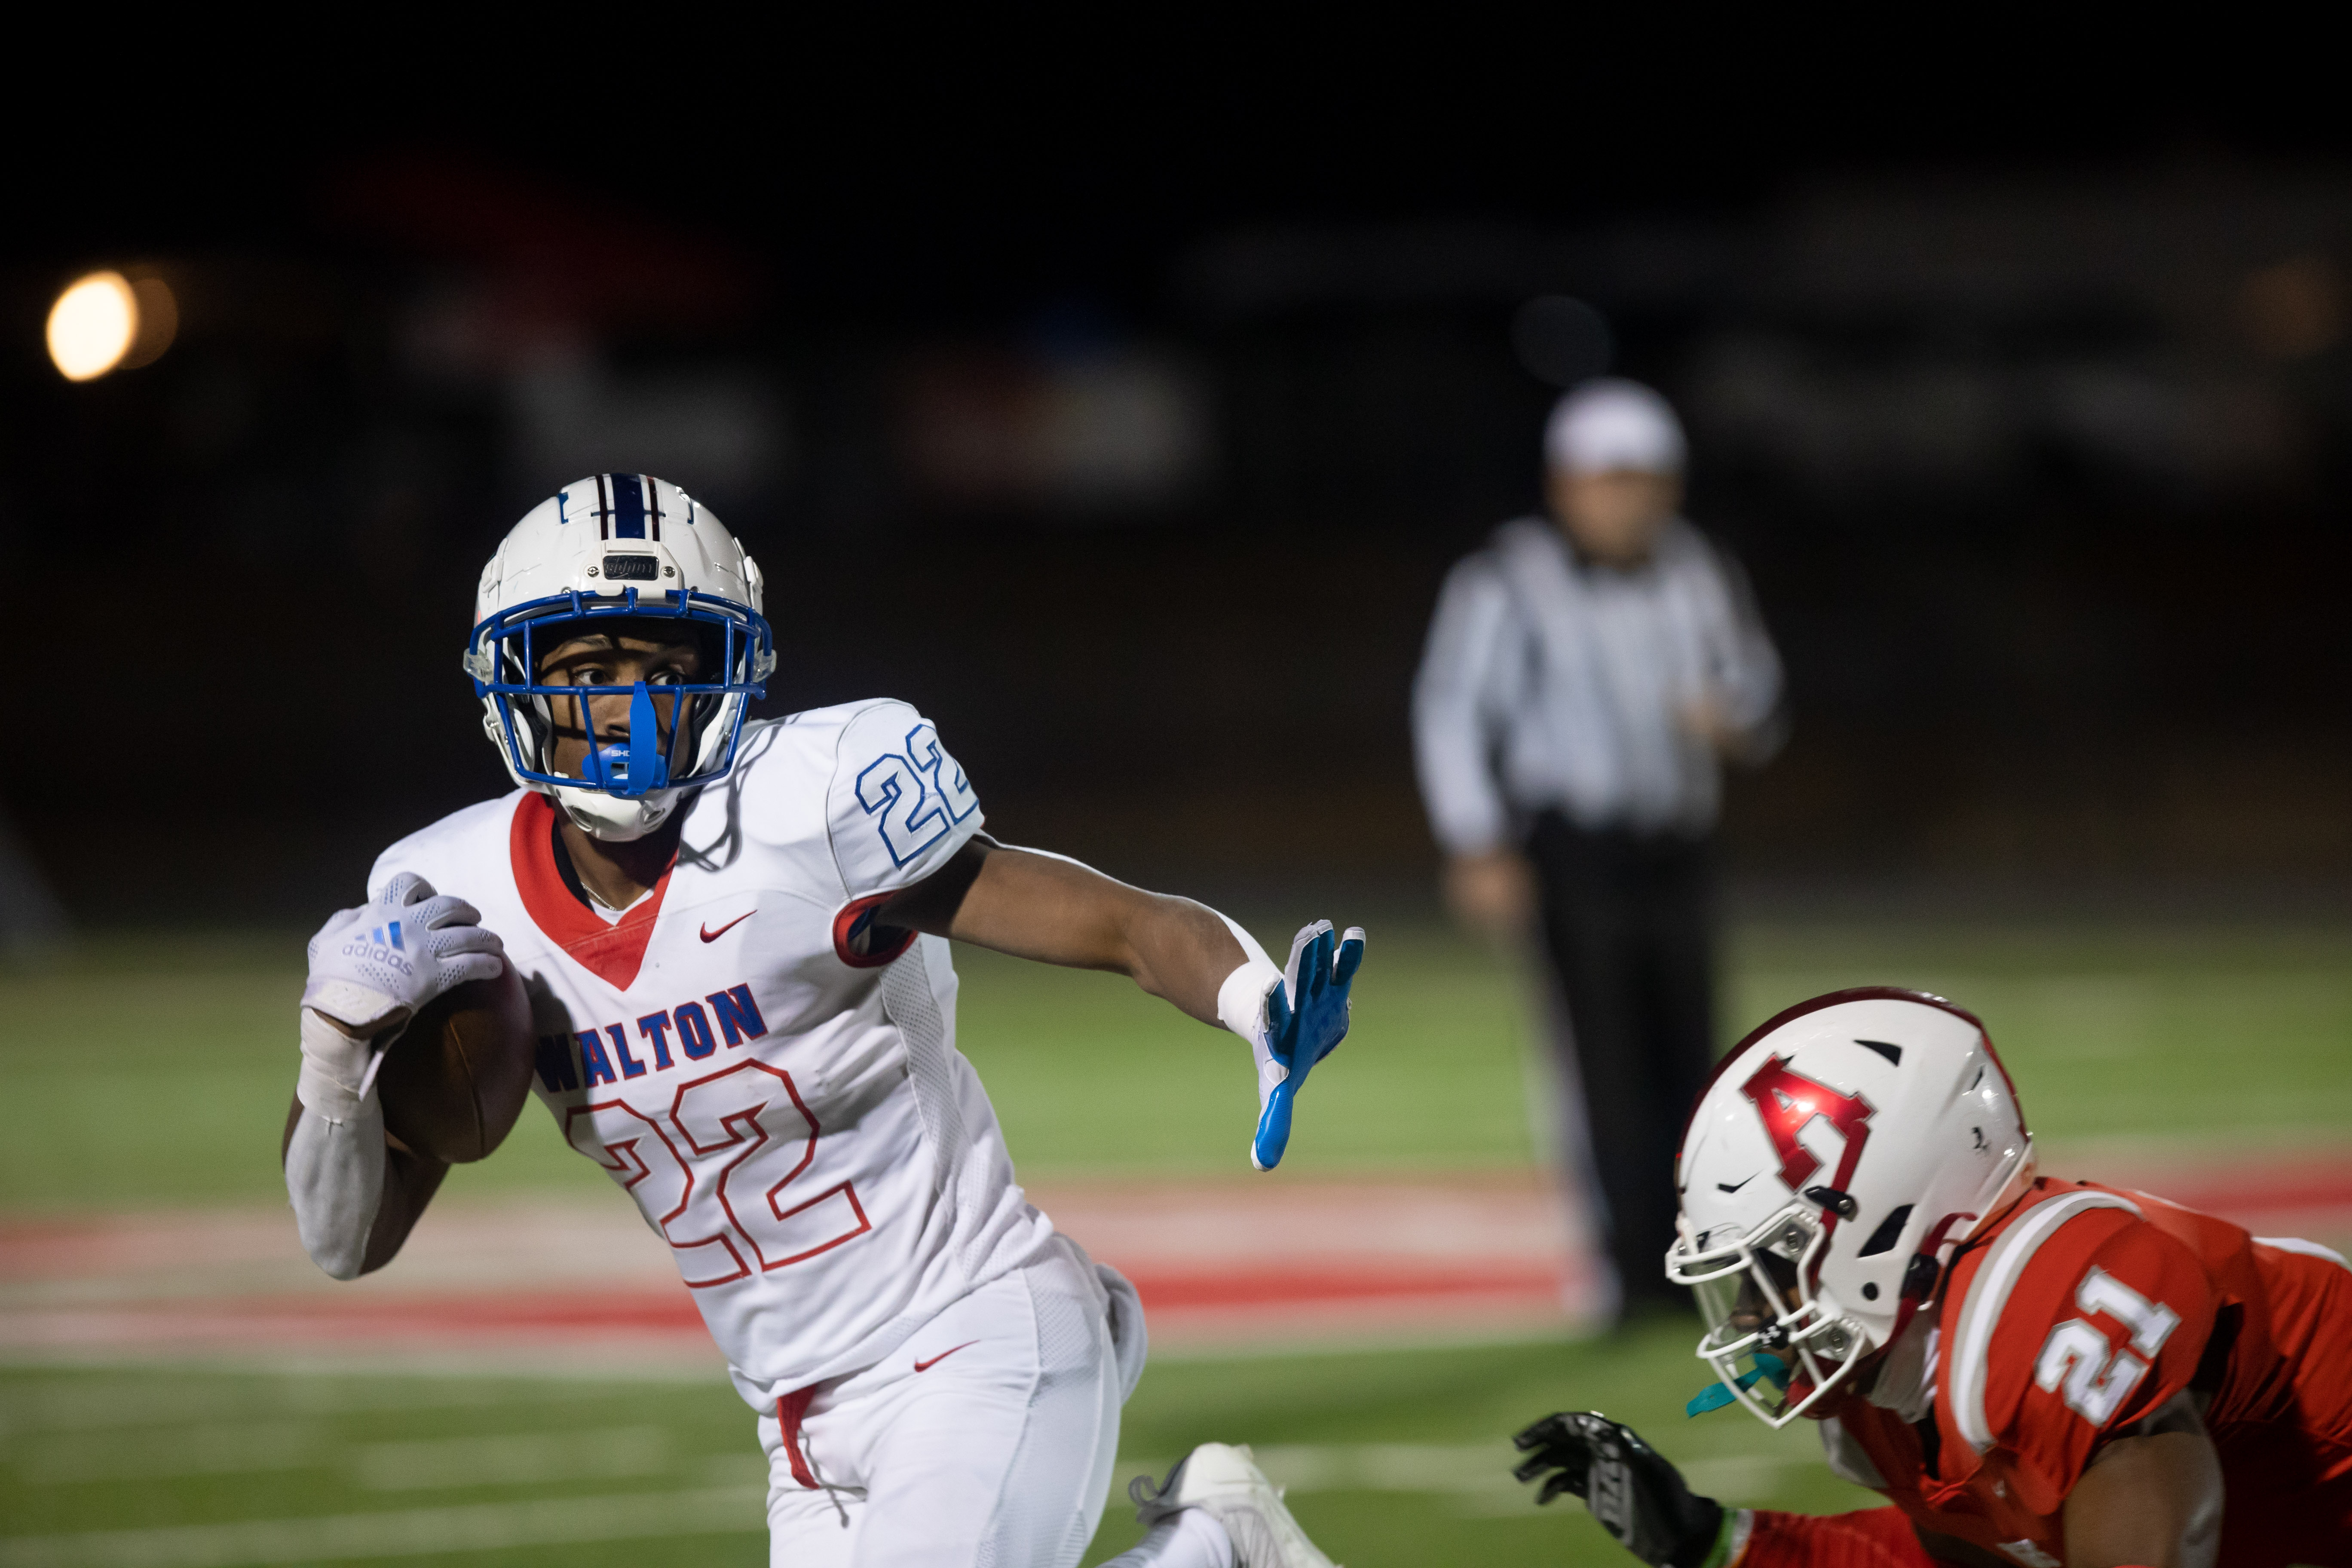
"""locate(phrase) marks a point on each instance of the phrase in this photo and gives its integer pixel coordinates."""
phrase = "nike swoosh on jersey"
(709, 935)
(926, 1366)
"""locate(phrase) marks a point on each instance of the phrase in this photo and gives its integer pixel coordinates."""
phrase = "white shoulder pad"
(453, 852)
(899, 805)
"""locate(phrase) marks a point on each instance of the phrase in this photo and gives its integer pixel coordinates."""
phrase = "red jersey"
(2082, 1310)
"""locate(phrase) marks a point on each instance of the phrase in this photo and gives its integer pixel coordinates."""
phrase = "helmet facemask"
(1775, 1344)
(1837, 1158)
(679, 735)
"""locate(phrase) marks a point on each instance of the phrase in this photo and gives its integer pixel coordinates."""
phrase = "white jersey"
(776, 1084)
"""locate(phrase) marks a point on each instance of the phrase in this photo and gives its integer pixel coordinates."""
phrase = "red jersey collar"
(614, 954)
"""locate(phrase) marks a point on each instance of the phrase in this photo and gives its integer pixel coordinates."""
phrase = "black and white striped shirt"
(1550, 681)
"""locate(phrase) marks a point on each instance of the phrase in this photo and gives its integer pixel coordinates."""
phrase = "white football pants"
(985, 1441)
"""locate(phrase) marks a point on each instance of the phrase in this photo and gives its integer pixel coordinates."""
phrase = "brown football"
(456, 1077)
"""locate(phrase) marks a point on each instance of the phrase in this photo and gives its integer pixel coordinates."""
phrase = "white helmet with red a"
(1837, 1157)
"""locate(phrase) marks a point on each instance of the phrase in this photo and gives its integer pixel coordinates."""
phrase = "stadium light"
(159, 320)
(93, 326)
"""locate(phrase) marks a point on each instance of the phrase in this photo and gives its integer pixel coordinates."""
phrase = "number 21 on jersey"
(2076, 1358)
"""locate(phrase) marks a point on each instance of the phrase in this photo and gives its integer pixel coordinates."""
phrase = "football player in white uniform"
(735, 938)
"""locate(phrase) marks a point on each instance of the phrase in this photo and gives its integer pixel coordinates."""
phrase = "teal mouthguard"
(1715, 1396)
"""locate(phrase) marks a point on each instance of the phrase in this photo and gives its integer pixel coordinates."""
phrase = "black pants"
(1629, 929)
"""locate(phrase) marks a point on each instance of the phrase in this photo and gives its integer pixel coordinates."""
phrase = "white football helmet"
(1837, 1156)
(602, 548)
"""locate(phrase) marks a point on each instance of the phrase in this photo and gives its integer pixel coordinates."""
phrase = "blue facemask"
(509, 645)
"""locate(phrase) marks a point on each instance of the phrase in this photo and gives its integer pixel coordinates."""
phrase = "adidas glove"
(373, 967)
(371, 970)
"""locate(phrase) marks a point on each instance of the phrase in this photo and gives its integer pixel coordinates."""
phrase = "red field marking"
(2305, 1196)
(1287, 1260)
(1371, 1280)
(439, 1316)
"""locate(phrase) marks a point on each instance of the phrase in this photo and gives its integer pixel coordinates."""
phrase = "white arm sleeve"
(334, 1162)
(1450, 727)
(1241, 999)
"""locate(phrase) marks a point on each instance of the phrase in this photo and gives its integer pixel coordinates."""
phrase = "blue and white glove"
(371, 970)
(1292, 1018)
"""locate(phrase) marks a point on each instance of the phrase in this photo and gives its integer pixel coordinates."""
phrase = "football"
(453, 1082)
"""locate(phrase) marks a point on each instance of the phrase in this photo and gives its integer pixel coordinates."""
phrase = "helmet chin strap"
(627, 794)
(612, 820)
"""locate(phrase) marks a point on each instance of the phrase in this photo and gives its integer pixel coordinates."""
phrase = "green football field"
(152, 1072)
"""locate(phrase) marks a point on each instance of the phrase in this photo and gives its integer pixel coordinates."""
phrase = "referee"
(1584, 678)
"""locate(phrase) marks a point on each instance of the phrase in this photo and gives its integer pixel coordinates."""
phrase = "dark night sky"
(903, 183)
(910, 175)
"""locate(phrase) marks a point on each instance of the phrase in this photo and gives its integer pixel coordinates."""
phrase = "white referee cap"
(1612, 423)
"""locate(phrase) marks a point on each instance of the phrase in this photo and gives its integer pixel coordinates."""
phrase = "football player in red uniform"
(2032, 1371)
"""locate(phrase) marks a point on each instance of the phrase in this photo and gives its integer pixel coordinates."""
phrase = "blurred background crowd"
(1136, 457)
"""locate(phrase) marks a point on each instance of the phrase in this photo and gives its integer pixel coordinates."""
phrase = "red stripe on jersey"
(860, 941)
(614, 954)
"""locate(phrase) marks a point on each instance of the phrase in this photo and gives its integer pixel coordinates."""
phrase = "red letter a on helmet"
(1787, 1101)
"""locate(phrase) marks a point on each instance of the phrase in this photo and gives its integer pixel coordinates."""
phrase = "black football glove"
(1637, 1497)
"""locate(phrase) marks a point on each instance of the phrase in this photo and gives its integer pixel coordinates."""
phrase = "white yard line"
(1476, 1475)
(213, 1449)
(512, 1458)
(585, 1365)
(413, 1532)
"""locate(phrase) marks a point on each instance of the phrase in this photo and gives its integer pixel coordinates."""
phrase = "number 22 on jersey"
(916, 796)
(716, 1173)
